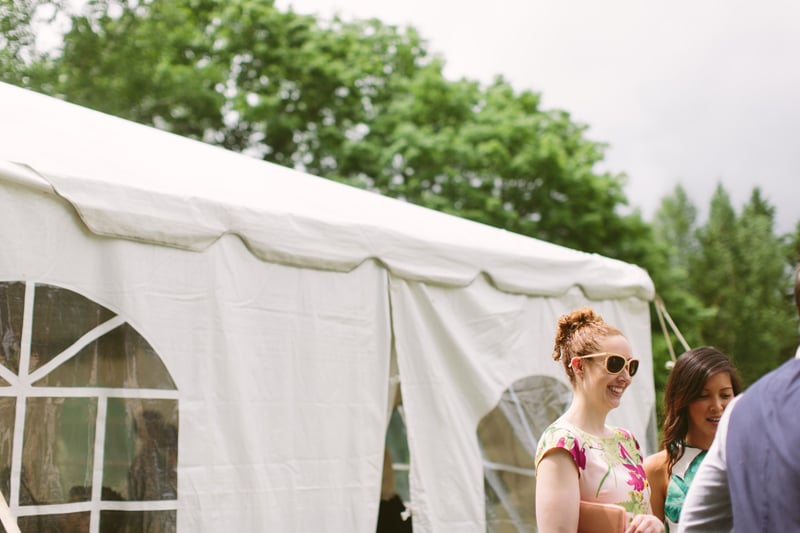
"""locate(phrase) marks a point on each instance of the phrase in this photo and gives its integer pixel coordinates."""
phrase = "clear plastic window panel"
(95, 389)
(508, 436)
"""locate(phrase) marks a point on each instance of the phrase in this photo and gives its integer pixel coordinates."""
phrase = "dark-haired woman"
(700, 386)
(580, 458)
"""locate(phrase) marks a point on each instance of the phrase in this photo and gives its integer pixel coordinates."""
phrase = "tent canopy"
(244, 327)
(152, 186)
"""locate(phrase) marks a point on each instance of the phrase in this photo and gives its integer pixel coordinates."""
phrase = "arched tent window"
(508, 436)
(88, 416)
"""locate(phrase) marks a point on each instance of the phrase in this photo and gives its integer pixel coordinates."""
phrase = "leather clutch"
(601, 518)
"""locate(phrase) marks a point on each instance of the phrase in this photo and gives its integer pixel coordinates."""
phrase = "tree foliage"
(361, 102)
(674, 242)
(16, 37)
(727, 281)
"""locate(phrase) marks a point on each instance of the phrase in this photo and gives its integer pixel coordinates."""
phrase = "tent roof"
(136, 182)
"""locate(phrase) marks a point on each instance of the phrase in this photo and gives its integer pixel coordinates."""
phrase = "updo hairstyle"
(579, 333)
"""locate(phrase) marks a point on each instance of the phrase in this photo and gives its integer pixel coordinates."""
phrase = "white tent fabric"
(459, 349)
(274, 299)
(153, 186)
(280, 371)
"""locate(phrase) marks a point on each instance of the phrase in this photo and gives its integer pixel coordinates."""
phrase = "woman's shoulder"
(626, 435)
(622, 433)
(656, 464)
(558, 430)
(561, 435)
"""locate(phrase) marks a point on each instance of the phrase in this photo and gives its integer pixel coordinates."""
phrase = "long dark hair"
(685, 384)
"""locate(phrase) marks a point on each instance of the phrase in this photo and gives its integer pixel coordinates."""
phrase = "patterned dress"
(682, 475)
(610, 469)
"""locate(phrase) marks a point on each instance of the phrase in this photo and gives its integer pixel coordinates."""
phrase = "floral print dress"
(609, 468)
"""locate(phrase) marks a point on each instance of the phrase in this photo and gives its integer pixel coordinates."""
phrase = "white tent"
(162, 294)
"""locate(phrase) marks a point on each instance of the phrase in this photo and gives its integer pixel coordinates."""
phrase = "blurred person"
(750, 479)
(580, 458)
(393, 516)
(702, 383)
(392, 512)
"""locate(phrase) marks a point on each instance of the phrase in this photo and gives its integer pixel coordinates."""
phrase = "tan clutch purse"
(601, 518)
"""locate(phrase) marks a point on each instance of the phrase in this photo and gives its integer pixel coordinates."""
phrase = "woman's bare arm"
(558, 494)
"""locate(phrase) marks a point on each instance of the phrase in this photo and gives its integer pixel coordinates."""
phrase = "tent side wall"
(459, 349)
(280, 376)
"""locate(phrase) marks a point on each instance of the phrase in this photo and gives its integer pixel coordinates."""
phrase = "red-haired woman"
(580, 458)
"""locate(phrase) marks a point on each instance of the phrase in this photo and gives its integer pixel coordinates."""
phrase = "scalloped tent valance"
(148, 185)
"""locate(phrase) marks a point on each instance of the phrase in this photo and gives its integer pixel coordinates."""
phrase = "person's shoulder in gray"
(763, 463)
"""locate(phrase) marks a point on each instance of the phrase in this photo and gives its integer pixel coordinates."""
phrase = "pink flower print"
(579, 455)
(638, 477)
(624, 453)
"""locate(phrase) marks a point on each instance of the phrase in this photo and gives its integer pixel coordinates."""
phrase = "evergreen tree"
(740, 272)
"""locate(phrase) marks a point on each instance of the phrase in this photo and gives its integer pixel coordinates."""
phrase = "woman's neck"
(698, 440)
(587, 417)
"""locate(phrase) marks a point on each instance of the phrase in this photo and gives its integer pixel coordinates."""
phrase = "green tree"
(674, 224)
(148, 62)
(740, 272)
(792, 241)
(712, 270)
(16, 38)
(675, 228)
(674, 242)
(766, 284)
(493, 155)
(724, 282)
(361, 102)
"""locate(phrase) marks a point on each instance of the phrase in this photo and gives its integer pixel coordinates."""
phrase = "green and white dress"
(682, 475)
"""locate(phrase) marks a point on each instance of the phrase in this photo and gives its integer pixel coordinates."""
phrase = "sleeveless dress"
(610, 469)
(682, 475)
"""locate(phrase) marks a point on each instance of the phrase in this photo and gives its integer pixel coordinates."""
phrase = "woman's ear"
(577, 367)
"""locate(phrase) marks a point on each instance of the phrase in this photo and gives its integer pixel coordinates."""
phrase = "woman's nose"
(717, 405)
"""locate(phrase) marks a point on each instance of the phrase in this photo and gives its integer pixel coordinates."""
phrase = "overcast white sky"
(695, 92)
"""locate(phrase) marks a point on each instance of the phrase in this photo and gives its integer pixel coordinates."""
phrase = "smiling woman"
(579, 458)
(702, 383)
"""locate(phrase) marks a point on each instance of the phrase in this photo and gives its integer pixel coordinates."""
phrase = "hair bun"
(580, 318)
(570, 323)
